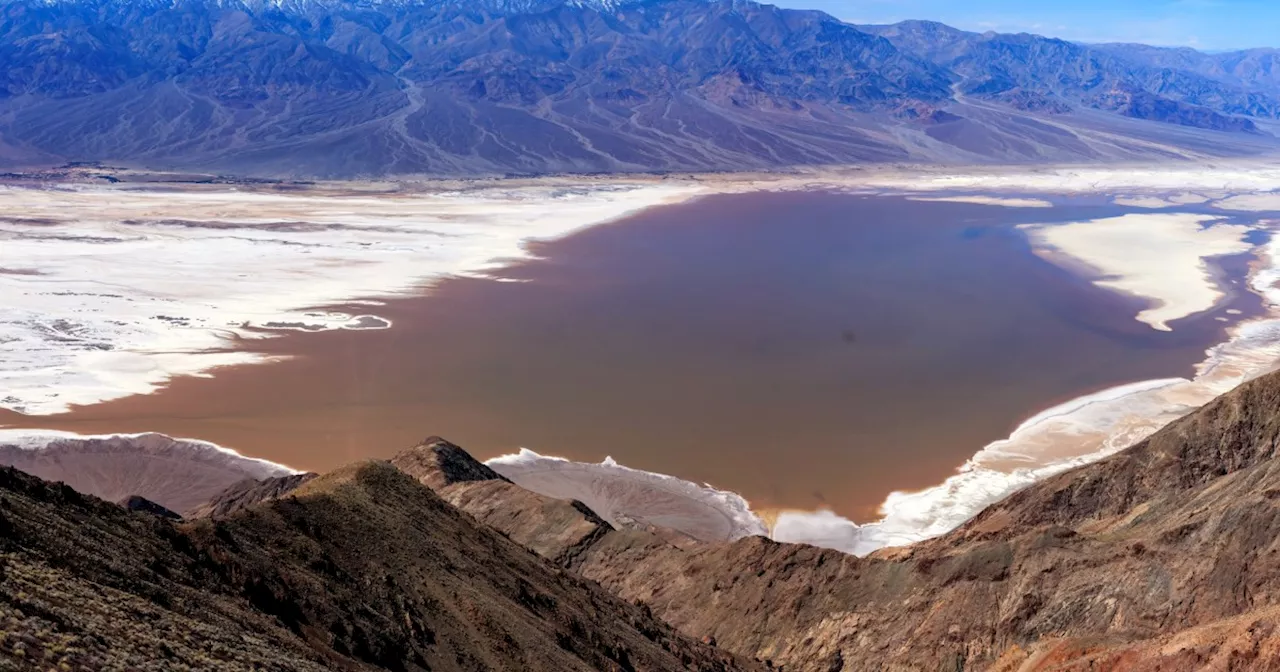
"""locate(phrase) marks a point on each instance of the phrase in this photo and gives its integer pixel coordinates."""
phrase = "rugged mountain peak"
(557, 529)
(438, 463)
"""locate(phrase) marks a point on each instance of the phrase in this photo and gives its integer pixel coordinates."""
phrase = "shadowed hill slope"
(362, 568)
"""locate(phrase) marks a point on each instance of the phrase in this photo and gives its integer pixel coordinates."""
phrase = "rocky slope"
(554, 528)
(1253, 69)
(246, 493)
(362, 568)
(328, 88)
(1164, 556)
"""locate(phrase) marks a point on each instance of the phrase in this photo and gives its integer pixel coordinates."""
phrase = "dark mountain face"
(447, 87)
(329, 88)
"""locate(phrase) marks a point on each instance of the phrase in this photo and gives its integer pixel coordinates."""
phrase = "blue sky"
(1204, 24)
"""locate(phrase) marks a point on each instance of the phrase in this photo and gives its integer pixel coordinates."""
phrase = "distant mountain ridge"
(447, 87)
(994, 65)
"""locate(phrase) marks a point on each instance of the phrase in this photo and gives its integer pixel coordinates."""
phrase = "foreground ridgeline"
(359, 569)
(1161, 557)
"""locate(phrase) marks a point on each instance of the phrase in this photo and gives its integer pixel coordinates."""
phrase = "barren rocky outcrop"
(246, 493)
(556, 529)
(360, 569)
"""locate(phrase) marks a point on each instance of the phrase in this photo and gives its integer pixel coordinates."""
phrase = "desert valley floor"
(775, 337)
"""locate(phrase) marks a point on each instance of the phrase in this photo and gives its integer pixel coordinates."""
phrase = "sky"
(1211, 25)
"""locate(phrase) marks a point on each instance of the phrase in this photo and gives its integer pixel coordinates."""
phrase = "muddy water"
(802, 349)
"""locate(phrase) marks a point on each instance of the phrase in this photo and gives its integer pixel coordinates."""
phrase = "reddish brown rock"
(556, 529)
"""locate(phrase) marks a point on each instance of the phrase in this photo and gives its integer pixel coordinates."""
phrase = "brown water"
(802, 349)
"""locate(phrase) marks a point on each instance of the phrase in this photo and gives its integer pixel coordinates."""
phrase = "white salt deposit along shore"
(1177, 182)
(111, 291)
(1008, 202)
(624, 496)
(1161, 257)
(40, 439)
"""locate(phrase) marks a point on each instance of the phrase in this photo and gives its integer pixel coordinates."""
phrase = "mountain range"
(1160, 557)
(453, 87)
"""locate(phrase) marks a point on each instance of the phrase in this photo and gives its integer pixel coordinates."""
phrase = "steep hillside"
(1255, 69)
(1165, 556)
(243, 494)
(553, 528)
(362, 568)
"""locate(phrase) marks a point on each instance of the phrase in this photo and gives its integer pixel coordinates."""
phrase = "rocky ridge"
(246, 493)
(359, 569)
